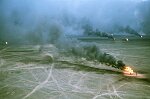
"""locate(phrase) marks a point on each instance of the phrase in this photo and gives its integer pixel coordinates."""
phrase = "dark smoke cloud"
(92, 52)
(129, 30)
(47, 21)
(144, 16)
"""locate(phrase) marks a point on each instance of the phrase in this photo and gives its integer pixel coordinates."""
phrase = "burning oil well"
(89, 31)
(92, 53)
(129, 30)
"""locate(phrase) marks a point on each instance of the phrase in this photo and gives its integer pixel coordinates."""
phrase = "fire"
(128, 70)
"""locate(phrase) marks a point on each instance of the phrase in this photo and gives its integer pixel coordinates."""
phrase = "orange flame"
(128, 70)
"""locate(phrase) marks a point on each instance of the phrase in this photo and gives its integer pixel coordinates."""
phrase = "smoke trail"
(32, 20)
(92, 52)
(129, 30)
(48, 21)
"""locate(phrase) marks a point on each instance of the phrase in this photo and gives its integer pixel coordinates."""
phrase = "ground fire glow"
(128, 70)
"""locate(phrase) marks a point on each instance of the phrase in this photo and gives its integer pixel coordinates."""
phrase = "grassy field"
(26, 72)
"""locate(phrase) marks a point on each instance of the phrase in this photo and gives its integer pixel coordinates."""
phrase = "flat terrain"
(26, 72)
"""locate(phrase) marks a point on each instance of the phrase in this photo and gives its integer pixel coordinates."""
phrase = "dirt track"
(26, 74)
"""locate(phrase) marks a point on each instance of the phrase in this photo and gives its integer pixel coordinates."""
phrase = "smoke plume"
(48, 21)
(92, 52)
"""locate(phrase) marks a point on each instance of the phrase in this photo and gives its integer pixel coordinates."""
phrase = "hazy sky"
(21, 17)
